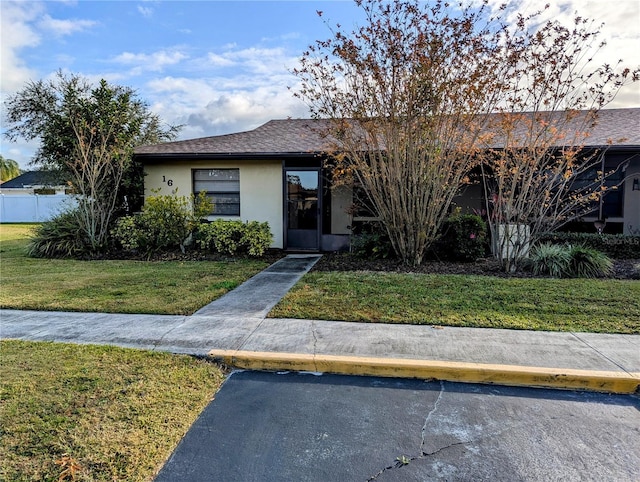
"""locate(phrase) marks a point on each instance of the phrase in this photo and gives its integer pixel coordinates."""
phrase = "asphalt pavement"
(304, 427)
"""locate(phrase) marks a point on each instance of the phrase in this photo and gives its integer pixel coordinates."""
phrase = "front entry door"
(303, 209)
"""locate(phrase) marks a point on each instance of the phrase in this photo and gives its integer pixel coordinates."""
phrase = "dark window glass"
(613, 198)
(222, 187)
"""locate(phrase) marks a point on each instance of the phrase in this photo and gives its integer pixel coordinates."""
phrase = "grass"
(172, 287)
(593, 305)
(160, 287)
(116, 413)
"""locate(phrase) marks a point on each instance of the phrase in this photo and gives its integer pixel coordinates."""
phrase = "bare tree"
(412, 97)
(538, 175)
(97, 166)
(406, 95)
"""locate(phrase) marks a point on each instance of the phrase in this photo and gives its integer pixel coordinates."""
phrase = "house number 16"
(168, 181)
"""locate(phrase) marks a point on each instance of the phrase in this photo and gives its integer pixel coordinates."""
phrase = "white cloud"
(255, 60)
(217, 60)
(145, 11)
(221, 105)
(60, 28)
(16, 33)
(619, 30)
(250, 88)
(263, 61)
(23, 25)
(154, 62)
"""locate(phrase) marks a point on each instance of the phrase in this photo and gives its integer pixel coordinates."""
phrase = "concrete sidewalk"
(234, 330)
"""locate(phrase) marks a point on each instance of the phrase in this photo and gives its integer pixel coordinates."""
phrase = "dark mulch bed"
(623, 269)
(271, 256)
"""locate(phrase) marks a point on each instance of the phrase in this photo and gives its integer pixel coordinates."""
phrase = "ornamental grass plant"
(569, 261)
(587, 262)
(550, 260)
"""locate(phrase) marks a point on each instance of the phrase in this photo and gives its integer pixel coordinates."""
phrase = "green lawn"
(116, 413)
(595, 305)
(172, 287)
(163, 287)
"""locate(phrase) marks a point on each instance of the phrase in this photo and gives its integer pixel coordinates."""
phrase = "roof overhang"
(221, 156)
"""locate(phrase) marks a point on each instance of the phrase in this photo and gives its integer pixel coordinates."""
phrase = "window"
(613, 198)
(222, 187)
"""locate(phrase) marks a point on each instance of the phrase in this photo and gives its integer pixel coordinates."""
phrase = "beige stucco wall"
(261, 188)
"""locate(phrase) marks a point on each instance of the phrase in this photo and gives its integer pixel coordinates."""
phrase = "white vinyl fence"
(33, 208)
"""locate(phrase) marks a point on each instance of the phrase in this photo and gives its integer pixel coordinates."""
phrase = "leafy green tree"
(8, 169)
(89, 132)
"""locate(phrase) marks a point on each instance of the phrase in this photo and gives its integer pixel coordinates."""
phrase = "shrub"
(165, 223)
(235, 237)
(617, 246)
(587, 262)
(463, 238)
(550, 259)
(371, 242)
(257, 238)
(221, 236)
(60, 237)
(128, 234)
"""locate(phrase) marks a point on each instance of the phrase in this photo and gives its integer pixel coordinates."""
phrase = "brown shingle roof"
(304, 136)
(275, 137)
(616, 124)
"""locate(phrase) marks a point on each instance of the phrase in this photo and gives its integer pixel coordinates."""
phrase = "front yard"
(483, 299)
(112, 286)
(105, 413)
(108, 413)
(595, 305)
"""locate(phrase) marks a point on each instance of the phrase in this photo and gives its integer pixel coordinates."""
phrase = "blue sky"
(215, 66)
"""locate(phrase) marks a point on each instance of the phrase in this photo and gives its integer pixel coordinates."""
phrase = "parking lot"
(308, 427)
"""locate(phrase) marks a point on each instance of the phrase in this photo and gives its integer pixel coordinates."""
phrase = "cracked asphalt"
(310, 427)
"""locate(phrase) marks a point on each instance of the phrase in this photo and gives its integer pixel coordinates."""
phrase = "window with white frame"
(222, 187)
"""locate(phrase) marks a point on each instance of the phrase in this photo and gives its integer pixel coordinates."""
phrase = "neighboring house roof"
(305, 136)
(31, 179)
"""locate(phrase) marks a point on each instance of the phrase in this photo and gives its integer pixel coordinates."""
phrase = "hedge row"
(616, 246)
(171, 222)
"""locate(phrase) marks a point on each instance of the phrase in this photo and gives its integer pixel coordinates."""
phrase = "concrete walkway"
(234, 330)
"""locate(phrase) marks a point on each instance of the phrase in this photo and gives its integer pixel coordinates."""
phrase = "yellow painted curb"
(599, 381)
